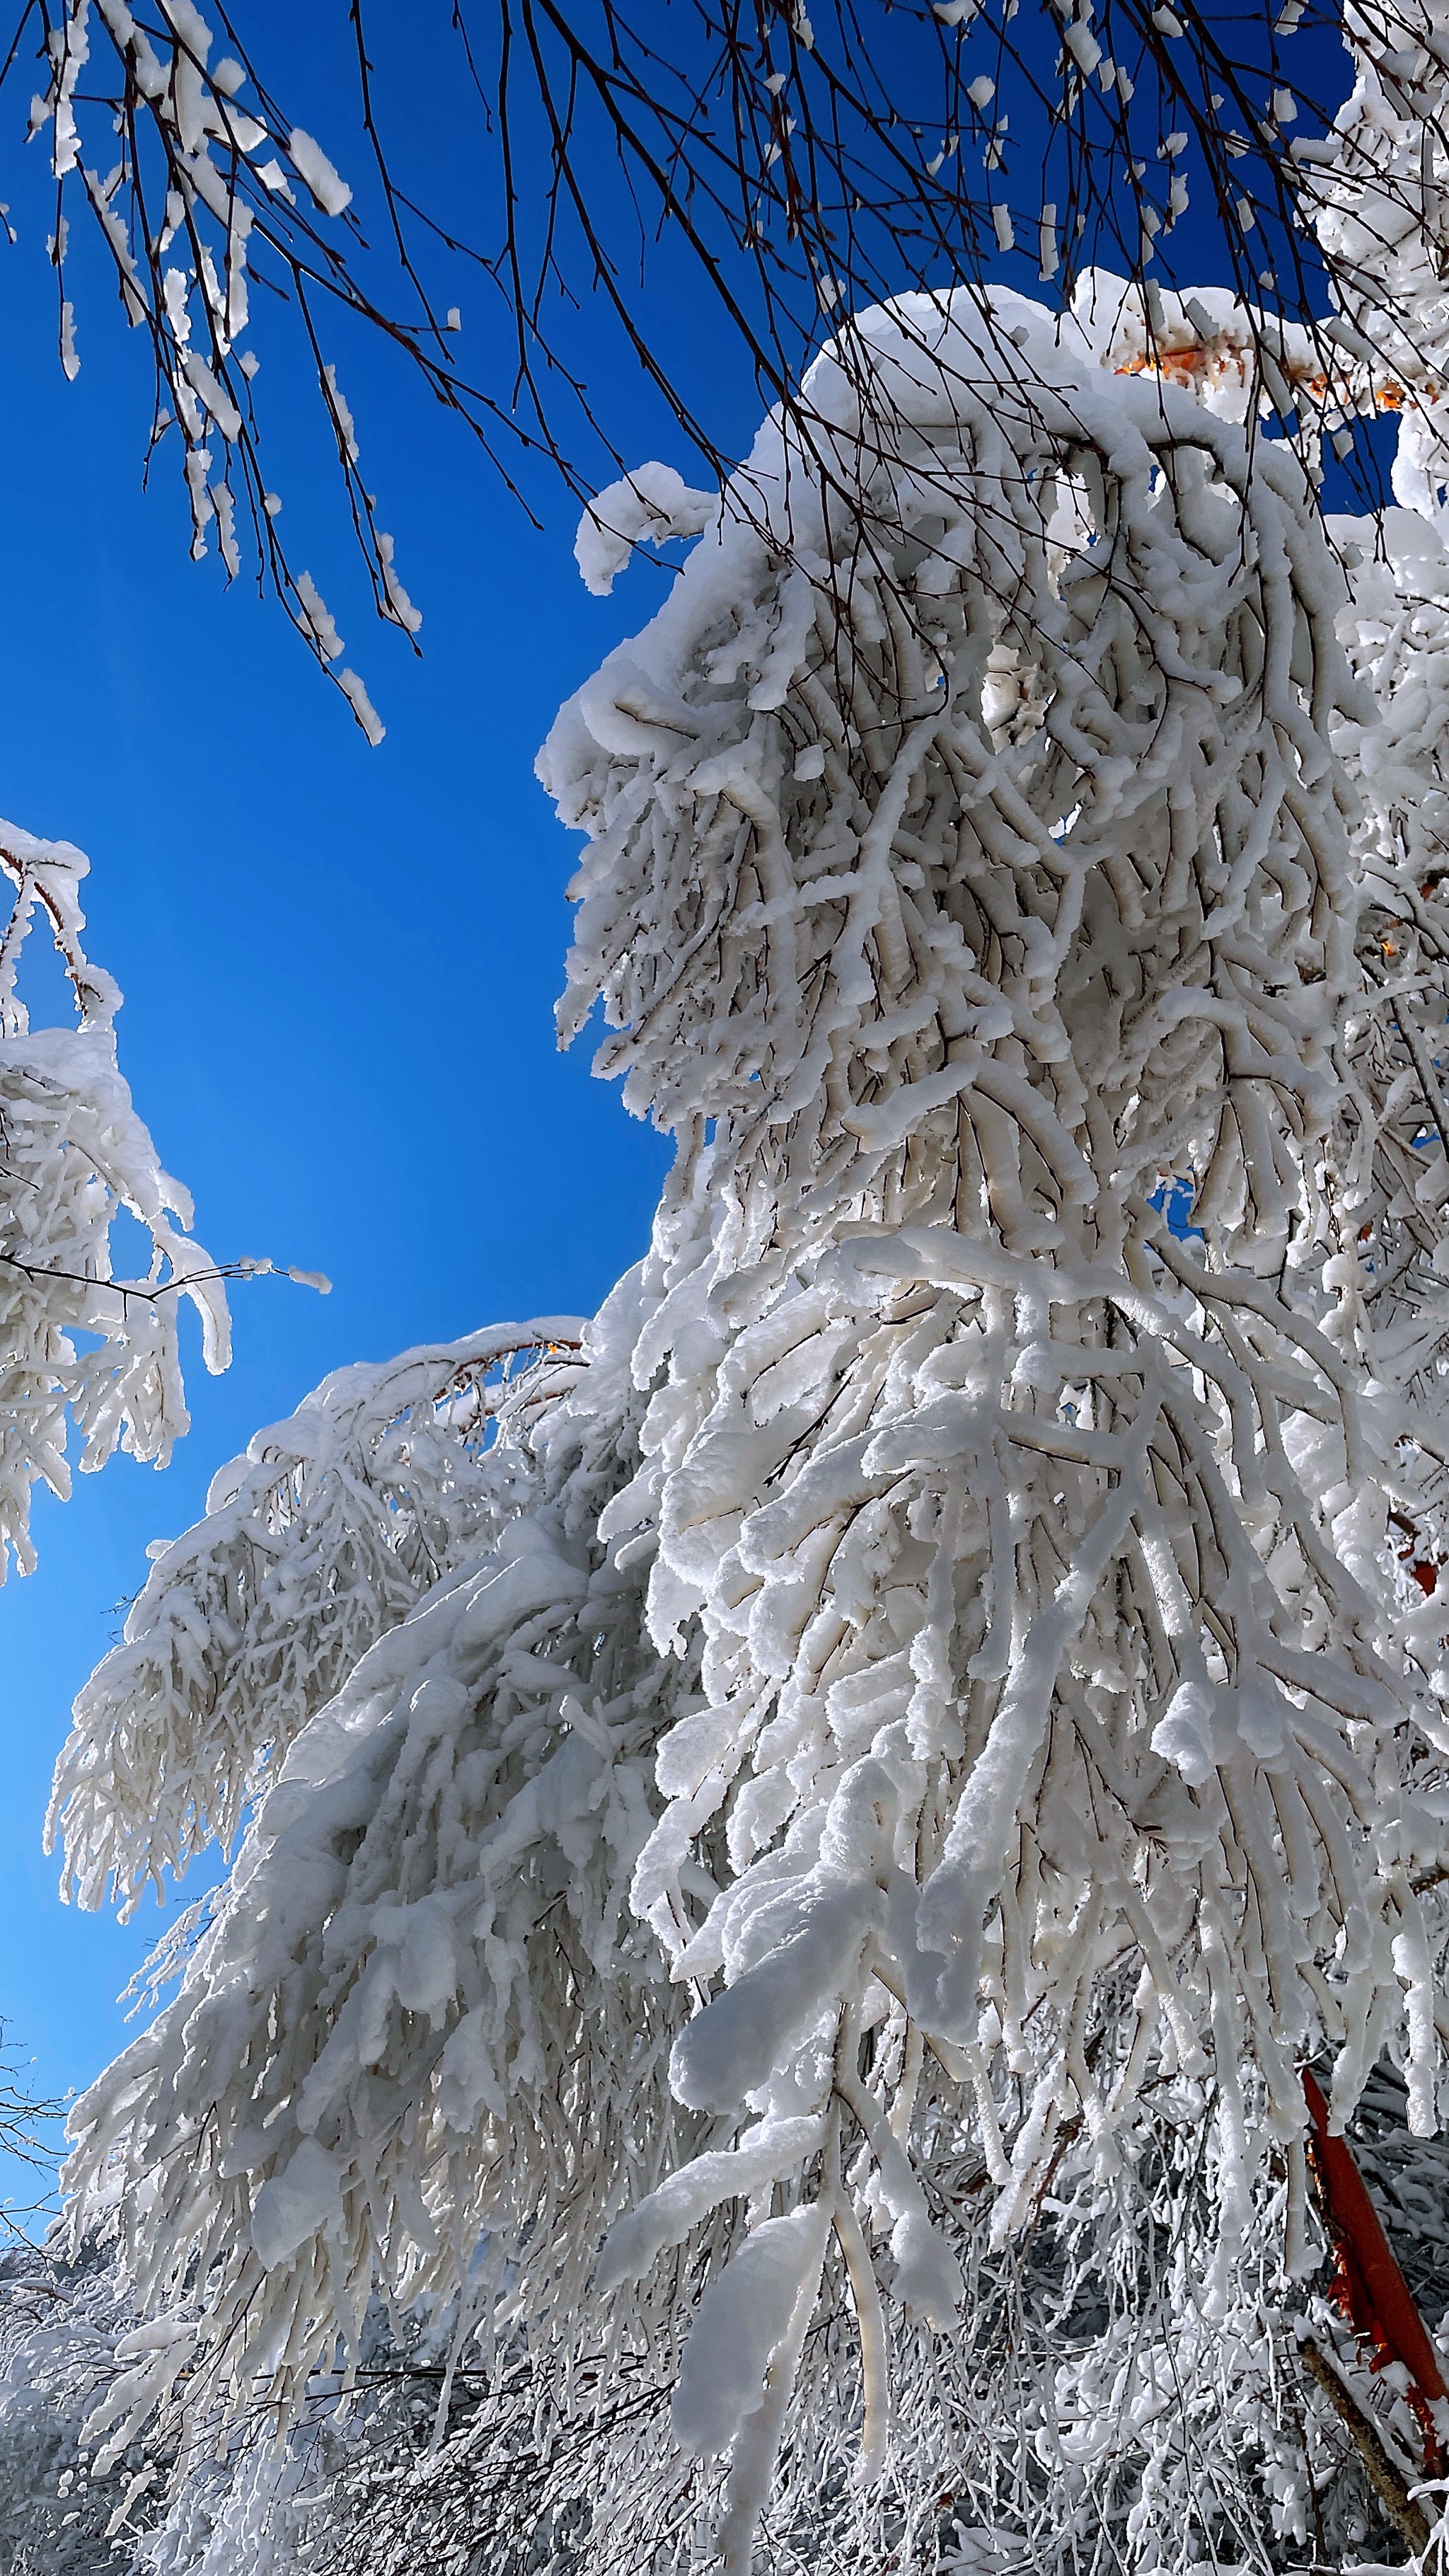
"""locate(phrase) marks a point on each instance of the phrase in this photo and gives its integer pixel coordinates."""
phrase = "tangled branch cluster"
(795, 168)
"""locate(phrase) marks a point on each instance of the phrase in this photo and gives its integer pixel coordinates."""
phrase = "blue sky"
(339, 964)
(339, 967)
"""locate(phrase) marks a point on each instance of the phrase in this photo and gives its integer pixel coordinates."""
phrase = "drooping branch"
(79, 1347)
(793, 169)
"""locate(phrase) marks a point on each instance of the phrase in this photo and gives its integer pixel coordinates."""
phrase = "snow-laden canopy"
(952, 1681)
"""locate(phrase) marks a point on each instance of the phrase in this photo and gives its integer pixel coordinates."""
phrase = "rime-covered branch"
(77, 1345)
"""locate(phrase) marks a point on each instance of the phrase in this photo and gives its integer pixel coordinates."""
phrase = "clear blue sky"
(339, 965)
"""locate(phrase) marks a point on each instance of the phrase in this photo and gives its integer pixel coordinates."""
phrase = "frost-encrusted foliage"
(501, 1738)
(1089, 2410)
(64, 2338)
(78, 1346)
(944, 1707)
(319, 1539)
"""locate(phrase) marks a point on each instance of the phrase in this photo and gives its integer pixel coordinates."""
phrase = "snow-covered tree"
(796, 1838)
(79, 1347)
